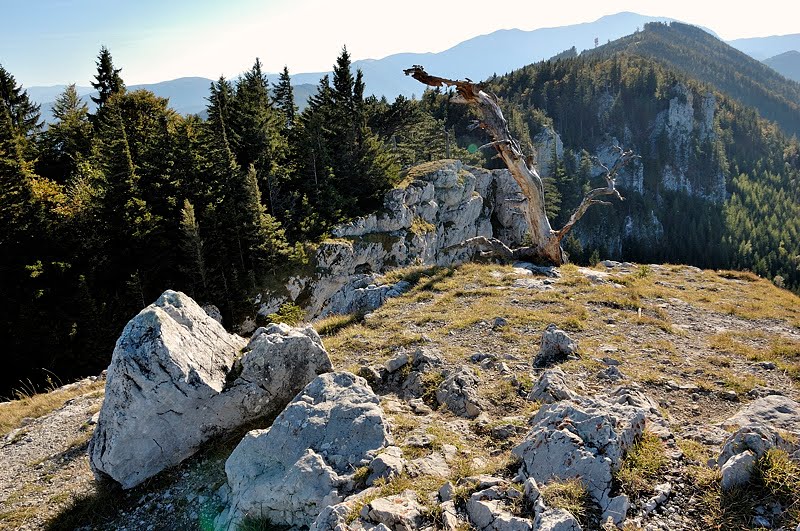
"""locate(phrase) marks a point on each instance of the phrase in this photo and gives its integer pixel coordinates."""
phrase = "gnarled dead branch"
(546, 245)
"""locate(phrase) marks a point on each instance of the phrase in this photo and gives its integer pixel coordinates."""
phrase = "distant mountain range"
(787, 64)
(477, 58)
(187, 95)
(765, 47)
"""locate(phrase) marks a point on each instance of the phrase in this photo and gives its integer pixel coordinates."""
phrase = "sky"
(50, 42)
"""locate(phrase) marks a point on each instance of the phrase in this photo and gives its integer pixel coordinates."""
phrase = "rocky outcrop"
(678, 127)
(777, 411)
(306, 461)
(741, 450)
(422, 223)
(551, 387)
(177, 378)
(556, 347)
(584, 438)
(459, 393)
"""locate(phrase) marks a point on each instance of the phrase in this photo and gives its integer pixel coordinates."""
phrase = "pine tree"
(23, 114)
(66, 142)
(258, 131)
(108, 81)
(284, 98)
(192, 245)
(15, 186)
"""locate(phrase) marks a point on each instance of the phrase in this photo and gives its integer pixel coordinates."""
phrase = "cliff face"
(423, 222)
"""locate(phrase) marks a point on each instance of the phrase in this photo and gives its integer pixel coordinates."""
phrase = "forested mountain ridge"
(705, 58)
(786, 64)
(716, 185)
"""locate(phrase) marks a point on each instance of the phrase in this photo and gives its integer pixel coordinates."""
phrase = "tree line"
(101, 211)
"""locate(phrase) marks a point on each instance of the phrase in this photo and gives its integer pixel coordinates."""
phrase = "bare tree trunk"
(546, 246)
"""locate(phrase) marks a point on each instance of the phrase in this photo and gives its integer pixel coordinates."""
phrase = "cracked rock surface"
(584, 439)
(459, 392)
(305, 462)
(174, 382)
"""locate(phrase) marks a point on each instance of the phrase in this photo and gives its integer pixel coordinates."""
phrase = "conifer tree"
(107, 80)
(24, 114)
(192, 245)
(67, 141)
(15, 187)
(284, 98)
(258, 131)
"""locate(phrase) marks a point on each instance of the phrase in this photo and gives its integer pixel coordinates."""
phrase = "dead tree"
(546, 246)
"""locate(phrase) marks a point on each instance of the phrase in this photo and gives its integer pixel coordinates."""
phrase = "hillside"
(707, 161)
(786, 64)
(701, 56)
(682, 336)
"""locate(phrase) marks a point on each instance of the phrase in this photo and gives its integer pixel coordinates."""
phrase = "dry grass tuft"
(40, 404)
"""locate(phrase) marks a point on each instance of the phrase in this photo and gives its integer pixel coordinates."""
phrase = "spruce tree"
(107, 80)
(24, 114)
(283, 94)
(67, 141)
(192, 246)
(15, 187)
(258, 138)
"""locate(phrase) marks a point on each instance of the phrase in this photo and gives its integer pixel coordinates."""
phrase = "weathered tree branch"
(591, 197)
(546, 242)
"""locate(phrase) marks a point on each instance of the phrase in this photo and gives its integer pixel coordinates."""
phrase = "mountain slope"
(682, 336)
(786, 64)
(716, 186)
(701, 56)
(485, 55)
(763, 47)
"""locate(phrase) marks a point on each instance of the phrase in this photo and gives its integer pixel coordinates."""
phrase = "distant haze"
(477, 58)
(46, 42)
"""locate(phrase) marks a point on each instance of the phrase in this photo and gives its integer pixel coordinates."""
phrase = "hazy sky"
(46, 42)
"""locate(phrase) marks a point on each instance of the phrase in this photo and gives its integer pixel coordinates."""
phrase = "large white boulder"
(177, 378)
(305, 462)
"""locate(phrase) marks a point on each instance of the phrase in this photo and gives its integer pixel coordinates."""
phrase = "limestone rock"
(551, 387)
(663, 492)
(459, 392)
(757, 439)
(213, 312)
(556, 346)
(174, 382)
(400, 512)
(556, 520)
(778, 411)
(583, 439)
(388, 464)
(290, 472)
(737, 470)
(486, 510)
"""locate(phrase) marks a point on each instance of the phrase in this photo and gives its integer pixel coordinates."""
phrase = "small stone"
(728, 395)
(737, 470)
(760, 521)
(370, 374)
(419, 407)
(446, 492)
(556, 346)
(397, 362)
(499, 322)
